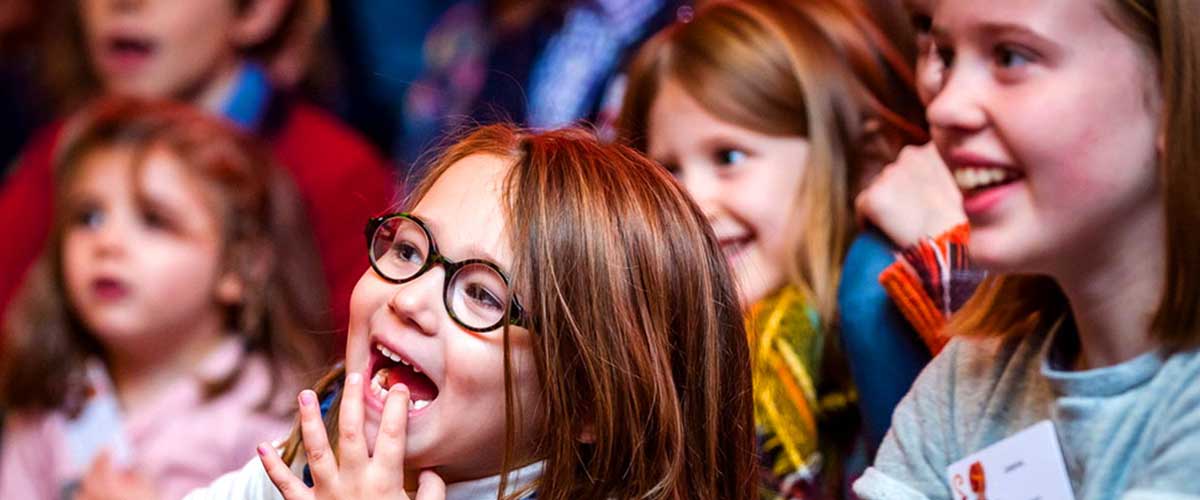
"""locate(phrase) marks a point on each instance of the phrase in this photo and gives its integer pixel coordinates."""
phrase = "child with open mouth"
(549, 317)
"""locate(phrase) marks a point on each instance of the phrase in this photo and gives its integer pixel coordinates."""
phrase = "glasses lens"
(399, 248)
(478, 296)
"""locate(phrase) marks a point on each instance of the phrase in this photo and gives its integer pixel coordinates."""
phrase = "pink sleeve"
(32, 460)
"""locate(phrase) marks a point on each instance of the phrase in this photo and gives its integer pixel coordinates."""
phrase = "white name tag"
(1025, 466)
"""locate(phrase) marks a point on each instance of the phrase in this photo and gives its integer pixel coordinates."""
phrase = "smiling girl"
(548, 316)
(1071, 129)
(771, 114)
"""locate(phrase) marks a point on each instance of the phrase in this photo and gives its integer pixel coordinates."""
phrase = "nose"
(110, 237)
(418, 302)
(959, 105)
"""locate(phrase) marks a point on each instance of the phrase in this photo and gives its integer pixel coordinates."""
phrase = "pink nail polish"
(262, 450)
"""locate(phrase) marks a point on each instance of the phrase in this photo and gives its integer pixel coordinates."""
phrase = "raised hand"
(912, 198)
(352, 474)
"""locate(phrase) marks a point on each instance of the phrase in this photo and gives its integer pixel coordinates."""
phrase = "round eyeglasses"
(475, 292)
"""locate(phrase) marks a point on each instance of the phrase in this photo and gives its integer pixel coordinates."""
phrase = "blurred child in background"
(174, 302)
(236, 58)
(772, 114)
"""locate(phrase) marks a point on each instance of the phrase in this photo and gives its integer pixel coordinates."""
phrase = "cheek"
(368, 296)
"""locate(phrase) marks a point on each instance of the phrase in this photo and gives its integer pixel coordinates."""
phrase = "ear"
(588, 434)
(231, 289)
(258, 21)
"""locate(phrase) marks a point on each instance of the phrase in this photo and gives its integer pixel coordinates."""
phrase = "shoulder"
(307, 132)
(33, 457)
(1175, 431)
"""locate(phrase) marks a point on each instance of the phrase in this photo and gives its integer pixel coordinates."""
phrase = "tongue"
(419, 386)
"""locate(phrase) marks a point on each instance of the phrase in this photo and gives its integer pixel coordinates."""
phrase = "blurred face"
(402, 333)
(745, 182)
(160, 48)
(142, 276)
(1048, 119)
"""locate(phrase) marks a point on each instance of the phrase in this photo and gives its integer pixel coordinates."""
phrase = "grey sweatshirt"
(1128, 431)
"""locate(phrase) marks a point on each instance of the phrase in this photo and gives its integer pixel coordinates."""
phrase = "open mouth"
(389, 369)
(129, 50)
(972, 180)
(109, 288)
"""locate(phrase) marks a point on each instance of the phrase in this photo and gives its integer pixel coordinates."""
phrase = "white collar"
(486, 488)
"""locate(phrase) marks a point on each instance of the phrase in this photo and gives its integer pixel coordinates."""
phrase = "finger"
(321, 461)
(352, 447)
(393, 425)
(288, 484)
(430, 486)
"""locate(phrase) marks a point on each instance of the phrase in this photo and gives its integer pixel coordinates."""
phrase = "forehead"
(161, 177)
(1060, 17)
(465, 212)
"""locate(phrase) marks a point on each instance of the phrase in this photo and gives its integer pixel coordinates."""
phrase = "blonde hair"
(637, 332)
(815, 69)
(1016, 304)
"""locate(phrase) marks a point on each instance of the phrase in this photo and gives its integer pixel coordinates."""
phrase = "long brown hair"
(71, 80)
(265, 239)
(638, 335)
(1015, 304)
(814, 69)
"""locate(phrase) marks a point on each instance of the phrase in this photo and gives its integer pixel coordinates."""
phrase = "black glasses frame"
(515, 315)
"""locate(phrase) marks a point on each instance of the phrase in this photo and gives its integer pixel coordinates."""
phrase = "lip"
(109, 289)
(734, 246)
(373, 400)
(116, 56)
(978, 202)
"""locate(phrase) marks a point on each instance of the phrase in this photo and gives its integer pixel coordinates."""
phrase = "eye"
(480, 295)
(407, 251)
(1011, 57)
(90, 218)
(729, 156)
(155, 220)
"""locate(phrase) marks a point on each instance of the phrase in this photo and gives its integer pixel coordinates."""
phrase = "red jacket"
(341, 180)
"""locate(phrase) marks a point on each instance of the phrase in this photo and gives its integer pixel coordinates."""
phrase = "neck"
(214, 93)
(141, 372)
(1114, 291)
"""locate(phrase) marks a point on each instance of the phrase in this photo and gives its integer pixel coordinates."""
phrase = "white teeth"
(418, 404)
(377, 382)
(387, 353)
(976, 177)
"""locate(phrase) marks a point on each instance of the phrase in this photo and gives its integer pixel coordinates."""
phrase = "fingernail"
(354, 379)
(399, 388)
(308, 398)
(262, 450)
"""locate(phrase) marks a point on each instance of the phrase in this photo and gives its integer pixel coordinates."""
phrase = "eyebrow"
(990, 29)
(471, 250)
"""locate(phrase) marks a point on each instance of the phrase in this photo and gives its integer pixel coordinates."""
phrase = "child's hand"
(352, 474)
(103, 482)
(912, 198)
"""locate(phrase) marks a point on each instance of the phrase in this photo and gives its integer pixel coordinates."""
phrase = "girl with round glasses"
(549, 316)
